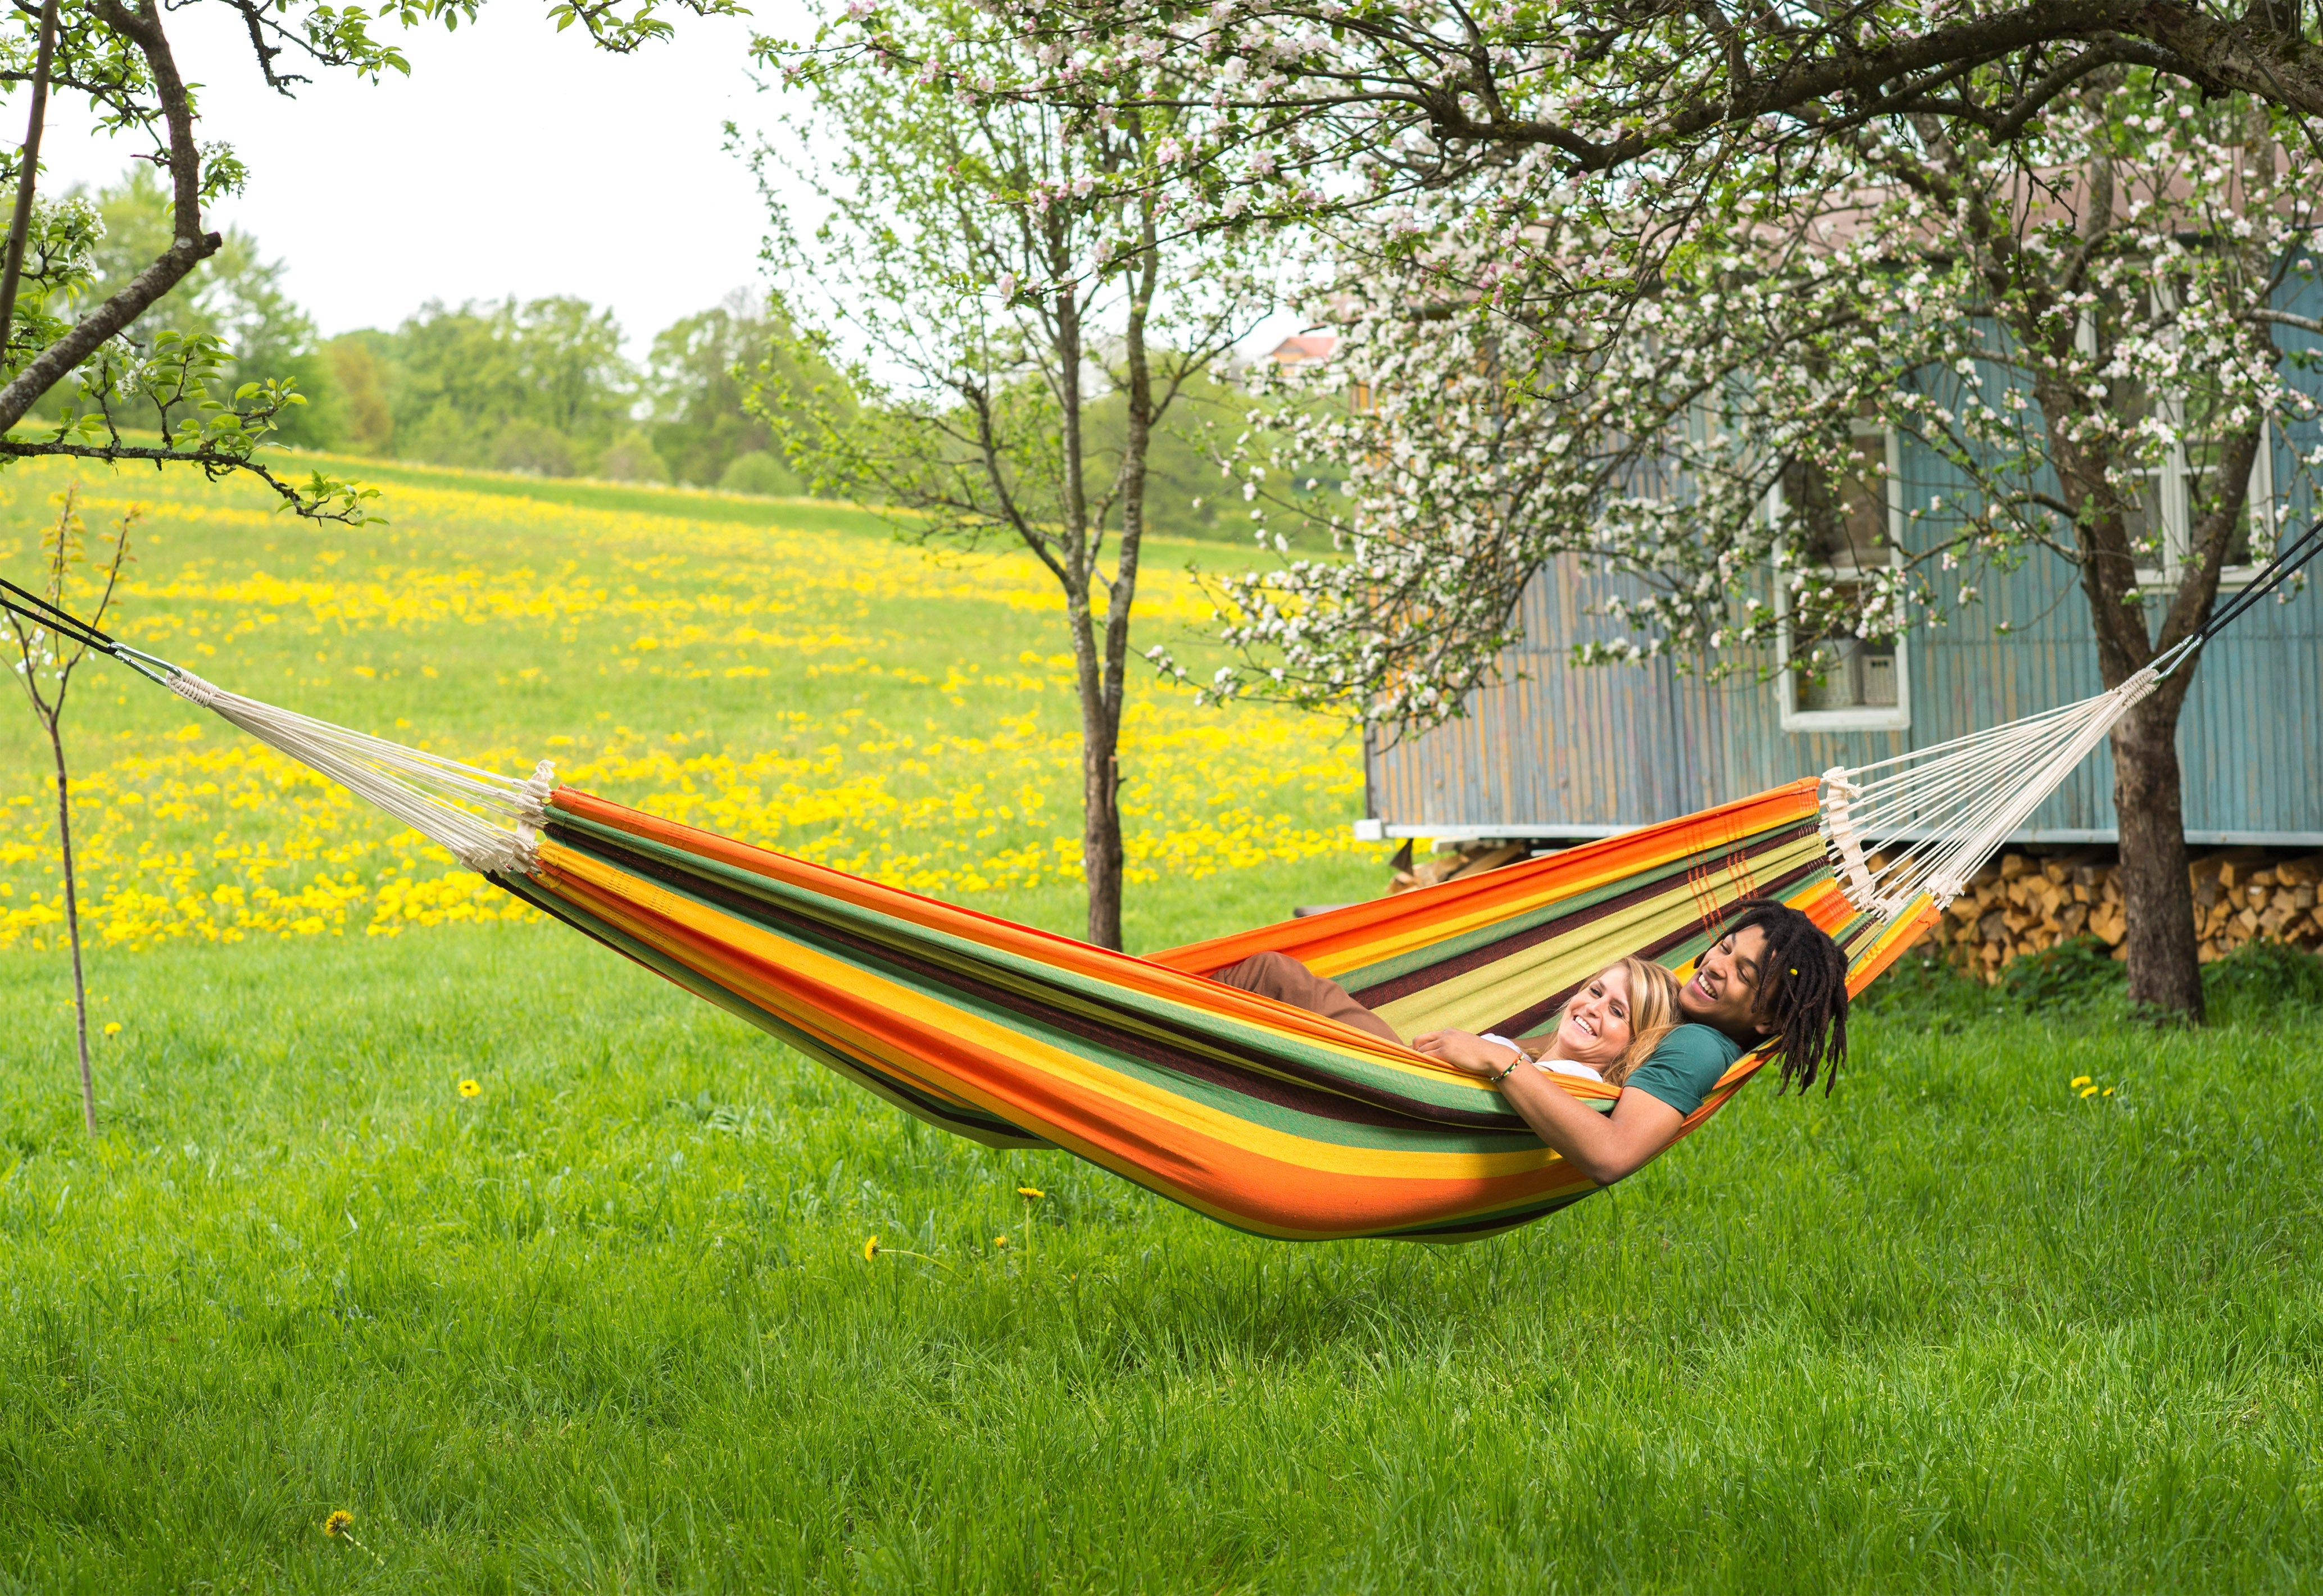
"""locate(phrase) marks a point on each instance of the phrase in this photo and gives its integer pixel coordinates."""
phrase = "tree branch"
(188, 250)
(217, 463)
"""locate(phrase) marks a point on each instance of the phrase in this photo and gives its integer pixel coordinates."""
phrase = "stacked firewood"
(2022, 903)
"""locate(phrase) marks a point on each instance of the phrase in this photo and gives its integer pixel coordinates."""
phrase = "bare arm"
(1602, 1146)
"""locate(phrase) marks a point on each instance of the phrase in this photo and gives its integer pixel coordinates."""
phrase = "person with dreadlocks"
(1771, 977)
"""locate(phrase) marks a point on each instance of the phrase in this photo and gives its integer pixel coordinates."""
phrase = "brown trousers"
(1286, 980)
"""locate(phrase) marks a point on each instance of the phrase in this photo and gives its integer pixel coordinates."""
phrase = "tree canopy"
(1280, 103)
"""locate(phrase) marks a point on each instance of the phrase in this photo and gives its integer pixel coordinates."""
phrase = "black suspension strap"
(2275, 573)
(29, 606)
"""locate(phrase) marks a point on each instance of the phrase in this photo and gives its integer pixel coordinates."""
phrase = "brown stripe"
(1515, 942)
(1313, 1092)
(1519, 1024)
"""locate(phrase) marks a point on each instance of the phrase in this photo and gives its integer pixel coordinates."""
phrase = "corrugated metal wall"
(1553, 748)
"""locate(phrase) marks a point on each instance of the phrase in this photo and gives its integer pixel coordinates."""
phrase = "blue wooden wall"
(1553, 749)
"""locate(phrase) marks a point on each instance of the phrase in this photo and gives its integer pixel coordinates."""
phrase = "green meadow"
(608, 1324)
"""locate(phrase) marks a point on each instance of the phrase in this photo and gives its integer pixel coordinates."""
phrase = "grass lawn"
(607, 1325)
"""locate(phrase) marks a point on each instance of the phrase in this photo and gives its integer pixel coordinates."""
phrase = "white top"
(1554, 1066)
(1566, 1067)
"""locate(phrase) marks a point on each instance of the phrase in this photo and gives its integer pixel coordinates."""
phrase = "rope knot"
(536, 791)
(193, 689)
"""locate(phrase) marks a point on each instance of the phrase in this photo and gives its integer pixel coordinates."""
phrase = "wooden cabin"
(1557, 753)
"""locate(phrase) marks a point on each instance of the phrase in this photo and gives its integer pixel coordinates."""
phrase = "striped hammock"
(1260, 1116)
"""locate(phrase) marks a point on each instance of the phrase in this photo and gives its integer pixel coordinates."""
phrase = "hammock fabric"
(1260, 1116)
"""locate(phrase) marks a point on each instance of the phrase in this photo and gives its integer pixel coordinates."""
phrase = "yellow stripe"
(1490, 994)
(1487, 995)
(1032, 1054)
(1424, 932)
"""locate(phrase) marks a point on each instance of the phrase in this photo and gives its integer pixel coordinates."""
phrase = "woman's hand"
(1465, 1051)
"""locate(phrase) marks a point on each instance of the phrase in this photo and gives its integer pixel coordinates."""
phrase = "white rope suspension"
(1932, 815)
(1936, 814)
(488, 820)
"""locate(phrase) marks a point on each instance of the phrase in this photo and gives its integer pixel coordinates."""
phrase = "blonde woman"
(1607, 1028)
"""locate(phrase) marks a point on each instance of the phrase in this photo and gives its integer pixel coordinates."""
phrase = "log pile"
(2022, 903)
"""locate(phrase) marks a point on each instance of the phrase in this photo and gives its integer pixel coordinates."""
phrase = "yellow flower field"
(813, 686)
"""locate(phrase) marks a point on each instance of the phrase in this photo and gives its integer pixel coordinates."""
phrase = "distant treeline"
(543, 386)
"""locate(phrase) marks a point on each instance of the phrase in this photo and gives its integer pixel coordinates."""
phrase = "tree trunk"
(188, 249)
(2149, 802)
(1101, 850)
(27, 172)
(1100, 721)
(72, 930)
(1102, 853)
(2157, 893)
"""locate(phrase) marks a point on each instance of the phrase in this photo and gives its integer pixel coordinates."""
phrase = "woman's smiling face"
(1594, 1029)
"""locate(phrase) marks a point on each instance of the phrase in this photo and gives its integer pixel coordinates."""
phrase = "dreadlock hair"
(1801, 991)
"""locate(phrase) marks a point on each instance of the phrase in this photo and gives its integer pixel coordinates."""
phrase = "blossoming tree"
(996, 270)
(1607, 82)
(1306, 111)
(2057, 321)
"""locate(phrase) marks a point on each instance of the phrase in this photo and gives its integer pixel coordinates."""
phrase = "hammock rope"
(1260, 1116)
(1919, 823)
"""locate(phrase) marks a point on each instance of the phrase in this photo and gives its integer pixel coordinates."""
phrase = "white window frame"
(1896, 717)
(2172, 481)
(2175, 474)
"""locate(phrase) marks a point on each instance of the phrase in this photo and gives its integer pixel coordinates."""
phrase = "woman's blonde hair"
(1652, 1014)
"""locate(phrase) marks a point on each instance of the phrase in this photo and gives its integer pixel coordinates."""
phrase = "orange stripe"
(1094, 1116)
(1143, 976)
(1365, 933)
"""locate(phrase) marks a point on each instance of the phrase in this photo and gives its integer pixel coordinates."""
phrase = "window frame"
(2173, 483)
(1896, 717)
(2172, 480)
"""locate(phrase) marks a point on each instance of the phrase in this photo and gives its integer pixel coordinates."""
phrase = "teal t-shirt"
(1689, 1063)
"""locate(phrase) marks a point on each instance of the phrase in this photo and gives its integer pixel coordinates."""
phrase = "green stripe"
(1516, 924)
(978, 1124)
(1185, 1026)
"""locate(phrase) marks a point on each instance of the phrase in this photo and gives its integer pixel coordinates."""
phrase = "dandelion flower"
(338, 1523)
(2089, 1091)
(2108, 1091)
(469, 1088)
(999, 1241)
(1027, 1191)
(2079, 1081)
(113, 1027)
(871, 1249)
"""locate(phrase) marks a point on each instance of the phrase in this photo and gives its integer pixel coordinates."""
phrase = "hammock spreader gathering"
(1260, 1116)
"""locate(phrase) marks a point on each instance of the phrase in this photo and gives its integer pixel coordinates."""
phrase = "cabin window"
(2167, 497)
(2250, 542)
(1829, 679)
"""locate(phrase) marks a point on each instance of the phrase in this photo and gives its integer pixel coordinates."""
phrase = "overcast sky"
(514, 160)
